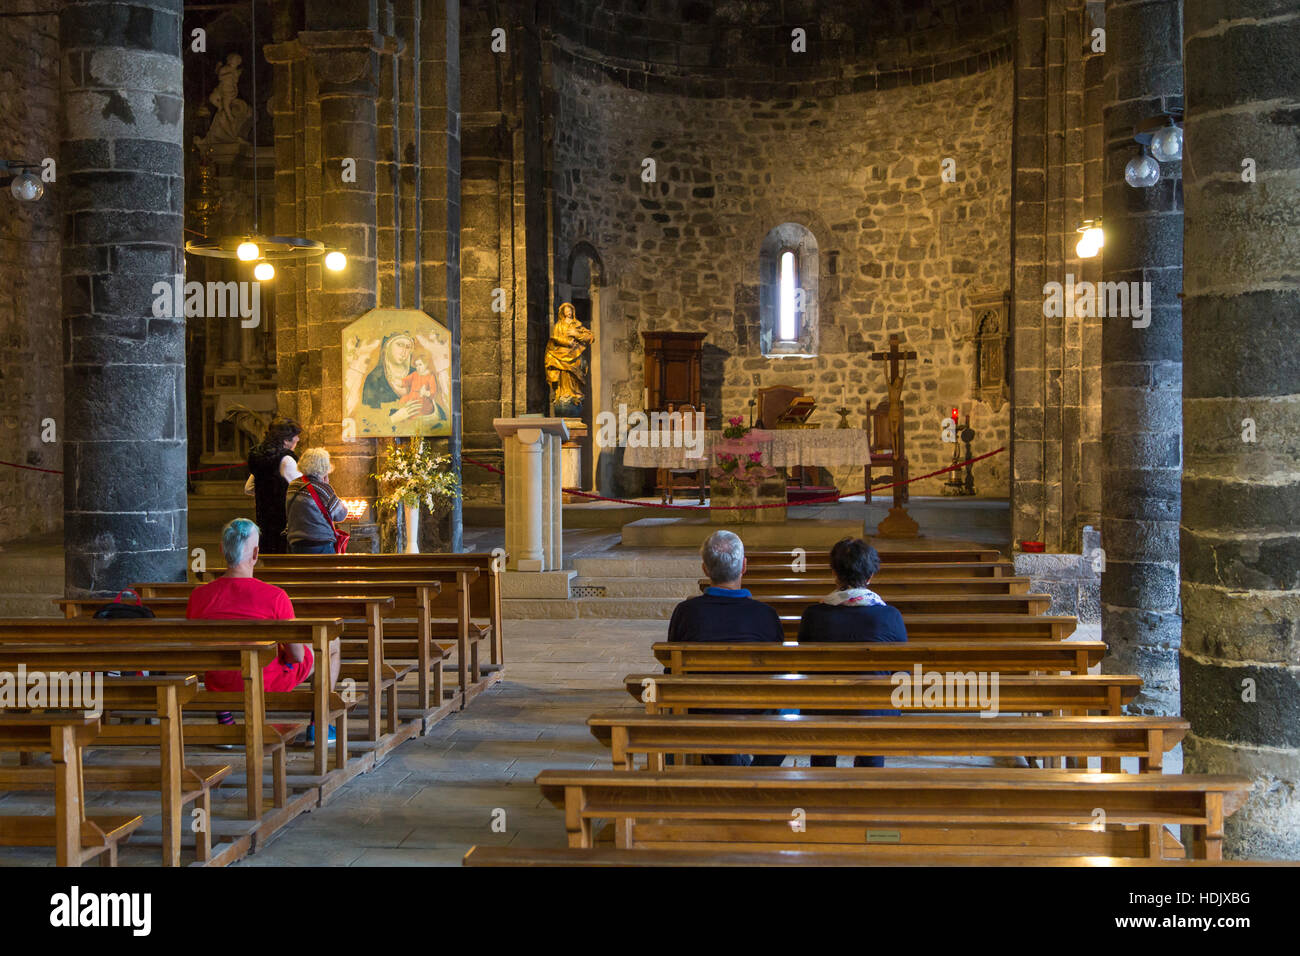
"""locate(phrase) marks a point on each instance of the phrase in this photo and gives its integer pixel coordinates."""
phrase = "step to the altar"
(690, 532)
(624, 608)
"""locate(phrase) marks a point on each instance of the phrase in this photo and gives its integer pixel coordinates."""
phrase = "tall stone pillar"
(440, 205)
(342, 46)
(1141, 364)
(1241, 411)
(120, 177)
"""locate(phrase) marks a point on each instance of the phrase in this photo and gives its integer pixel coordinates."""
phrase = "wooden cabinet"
(672, 369)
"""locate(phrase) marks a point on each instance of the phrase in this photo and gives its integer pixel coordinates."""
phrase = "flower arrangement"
(740, 470)
(412, 473)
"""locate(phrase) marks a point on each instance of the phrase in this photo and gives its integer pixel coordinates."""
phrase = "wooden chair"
(679, 433)
(883, 454)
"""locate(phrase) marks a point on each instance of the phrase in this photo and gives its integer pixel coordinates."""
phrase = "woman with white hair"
(311, 506)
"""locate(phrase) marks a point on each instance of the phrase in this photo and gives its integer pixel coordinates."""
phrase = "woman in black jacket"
(308, 528)
(273, 465)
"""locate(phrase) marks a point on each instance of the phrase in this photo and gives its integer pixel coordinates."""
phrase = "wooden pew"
(1017, 694)
(451, 606)
(630, 733)
(361, 660)
(909, 811)
(960, 570)
(163, 696)
(189, 647)
(944, 627)
(608, 856)
(409, 600)
(1005, 657)
(888, 557)
(75, 837)
(887, 588)
(489, 565)
(961, 605)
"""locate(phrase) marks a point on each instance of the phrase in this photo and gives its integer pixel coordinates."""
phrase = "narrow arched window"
(787, 292)
(788, 323)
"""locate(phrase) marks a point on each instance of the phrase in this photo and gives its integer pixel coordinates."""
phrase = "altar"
(780, 448)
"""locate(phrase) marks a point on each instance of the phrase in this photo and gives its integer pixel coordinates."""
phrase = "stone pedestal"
(533, 505)
(571, 459)
(897, 524)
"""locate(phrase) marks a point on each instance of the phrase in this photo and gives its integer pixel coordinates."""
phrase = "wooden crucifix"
(898, 523)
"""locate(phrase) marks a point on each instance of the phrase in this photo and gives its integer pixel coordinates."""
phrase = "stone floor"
(437, 796)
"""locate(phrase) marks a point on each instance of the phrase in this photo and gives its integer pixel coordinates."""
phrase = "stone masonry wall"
(899, 249)
(31, 336)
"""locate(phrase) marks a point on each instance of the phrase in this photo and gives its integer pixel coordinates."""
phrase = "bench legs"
(203, 835)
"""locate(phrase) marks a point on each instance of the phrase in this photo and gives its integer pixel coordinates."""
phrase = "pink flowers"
(737, 421)
(756, 457)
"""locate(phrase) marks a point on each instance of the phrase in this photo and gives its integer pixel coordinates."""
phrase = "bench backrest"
(1008, 657)
(947, 627)
(907, 604)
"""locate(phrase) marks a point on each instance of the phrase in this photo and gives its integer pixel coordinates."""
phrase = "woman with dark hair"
(853, 612)
(273, 465)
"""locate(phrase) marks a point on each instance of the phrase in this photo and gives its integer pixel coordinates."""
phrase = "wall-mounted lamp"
(25, 185)
(1161, 138)
(1091, 239)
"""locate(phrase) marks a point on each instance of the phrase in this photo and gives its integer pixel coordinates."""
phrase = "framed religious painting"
(396, 375)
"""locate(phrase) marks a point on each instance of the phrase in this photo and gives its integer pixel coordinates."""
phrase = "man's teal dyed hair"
(236, 538)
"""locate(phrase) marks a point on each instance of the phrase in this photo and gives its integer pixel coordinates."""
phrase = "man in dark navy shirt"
(853, 612)
(726, 612)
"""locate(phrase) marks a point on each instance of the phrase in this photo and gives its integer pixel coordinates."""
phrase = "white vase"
(412, 513)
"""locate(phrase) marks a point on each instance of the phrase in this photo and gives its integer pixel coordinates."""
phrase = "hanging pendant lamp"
(253, 246)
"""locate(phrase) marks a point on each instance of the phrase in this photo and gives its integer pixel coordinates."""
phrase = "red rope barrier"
(822, 499)
(59, 471)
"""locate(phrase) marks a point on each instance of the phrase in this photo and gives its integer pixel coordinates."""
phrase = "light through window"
(787, 323)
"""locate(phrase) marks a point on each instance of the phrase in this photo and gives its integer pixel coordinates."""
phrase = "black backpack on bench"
(121, 609)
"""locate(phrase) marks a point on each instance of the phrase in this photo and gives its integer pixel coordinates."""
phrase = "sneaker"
(311, 735)
(226, 719)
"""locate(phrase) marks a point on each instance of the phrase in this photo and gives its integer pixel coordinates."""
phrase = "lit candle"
(843, 403)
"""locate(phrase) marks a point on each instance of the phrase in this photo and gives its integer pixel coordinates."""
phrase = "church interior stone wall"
(31, 339)
(900, 250)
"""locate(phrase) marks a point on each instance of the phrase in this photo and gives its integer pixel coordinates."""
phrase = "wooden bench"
(944, 627)
(959, 571)
(1016, 694)
(409, 600)
(887, 588)
(488, 564)
(760, 557)
(607, 856)
(630, 733)
(186, 647)
(164, 697)
(909, 812)
(362, 660)
(1005, 657)
(75, 837)
(452, 596)
(950, 604)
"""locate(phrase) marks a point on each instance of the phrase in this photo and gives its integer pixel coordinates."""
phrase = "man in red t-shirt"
(239, 595)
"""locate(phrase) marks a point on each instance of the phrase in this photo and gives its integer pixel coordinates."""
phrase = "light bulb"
(1095, 237)
(1087, 247)
(1142, 172)
(263, 271)
(27, 187)
(1167, 144)
(248, 251)
(336, 261)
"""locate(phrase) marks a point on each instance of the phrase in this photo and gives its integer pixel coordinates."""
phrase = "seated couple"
(726, 612)
(237, 595)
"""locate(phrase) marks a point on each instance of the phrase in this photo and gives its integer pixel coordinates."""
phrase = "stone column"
(1241, 412)
(1141, 363)
(120, 177)
(342, 46)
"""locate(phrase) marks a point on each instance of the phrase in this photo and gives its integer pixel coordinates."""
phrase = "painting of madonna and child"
(396, 381)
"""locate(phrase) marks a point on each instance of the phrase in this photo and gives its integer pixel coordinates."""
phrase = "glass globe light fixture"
(248, 251)
(27, 187)
(263, 272)
(1142, 172)
(1167, 144)
(336, 261)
